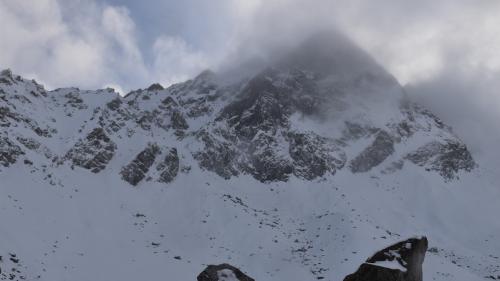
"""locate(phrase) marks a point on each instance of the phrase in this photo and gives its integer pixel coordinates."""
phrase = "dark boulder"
(399, 262)
(223, 272)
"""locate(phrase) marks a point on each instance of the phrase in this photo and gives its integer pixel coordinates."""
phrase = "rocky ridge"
(256, 126)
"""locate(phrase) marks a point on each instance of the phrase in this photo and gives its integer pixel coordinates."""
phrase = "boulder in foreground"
(223, 272)
(399, 262)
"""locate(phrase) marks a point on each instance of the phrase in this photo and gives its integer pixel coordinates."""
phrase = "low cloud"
(176, 61)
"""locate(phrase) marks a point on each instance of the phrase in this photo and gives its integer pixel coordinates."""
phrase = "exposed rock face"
(266, 160)
(34, 145)
(223, 272)
(169, 167)
(268, 100)
(381, 148)
(218, 156)
(178, 121)
(155, 87)
(314, 155)
(446, 158)
(9, 152)
(94, 152)
(136, 170)
(399, 262)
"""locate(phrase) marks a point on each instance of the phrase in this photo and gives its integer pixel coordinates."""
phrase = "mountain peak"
(155, 87)
(249, 148)
(6, 72)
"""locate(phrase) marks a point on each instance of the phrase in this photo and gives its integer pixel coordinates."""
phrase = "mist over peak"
(325, 53)
(329, 52)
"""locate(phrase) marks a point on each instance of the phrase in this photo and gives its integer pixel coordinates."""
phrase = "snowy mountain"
(296, 171)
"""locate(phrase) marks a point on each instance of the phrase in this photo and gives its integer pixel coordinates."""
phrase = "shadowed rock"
(446, 158)
(169, 167)
(155, 87)
(9, 152)
(178, 121)
(314, 156)
(223, 272)
(136, 170)
(217, 156)
(399, 262)
(94, 152)
(381, 148)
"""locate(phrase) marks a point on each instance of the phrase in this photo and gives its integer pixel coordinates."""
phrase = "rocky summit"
(295, 169)
(295, 118)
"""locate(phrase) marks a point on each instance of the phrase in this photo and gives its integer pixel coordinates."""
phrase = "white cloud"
(39, 40)
(175, 60)
(415, 39)
(88, 45)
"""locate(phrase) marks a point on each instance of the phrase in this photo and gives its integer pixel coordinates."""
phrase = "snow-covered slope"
(298, 171)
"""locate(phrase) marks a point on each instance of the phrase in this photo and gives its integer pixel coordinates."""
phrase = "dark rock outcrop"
(155, 87)
(223, 272)
(94, 152)
(178, 121)
(445, 158)
(265, 160)
(267, 101)
(169, 167)
(314, 156)
(114, 104)
(399, 262)
(381, 148)
(217, 155)
(9, 152)
(136, 170)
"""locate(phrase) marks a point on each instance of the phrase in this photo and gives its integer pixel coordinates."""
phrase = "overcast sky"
(446, 52)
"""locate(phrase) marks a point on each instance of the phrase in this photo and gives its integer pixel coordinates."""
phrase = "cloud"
(414, 39)
(40, 40)
(175, 60)
(468, 100)
(87, 44)
(445, 52)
